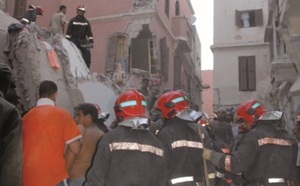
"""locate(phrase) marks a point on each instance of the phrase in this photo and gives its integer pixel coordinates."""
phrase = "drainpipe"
(275, 15)
(219, 97)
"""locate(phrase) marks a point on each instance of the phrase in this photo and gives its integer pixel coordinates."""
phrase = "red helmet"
(250, 111)
(130, 104)
(39, 10)
(172, 102)
(81, 8)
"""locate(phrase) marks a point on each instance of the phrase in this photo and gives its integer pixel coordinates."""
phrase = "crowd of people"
(50, 147)
(156, 139)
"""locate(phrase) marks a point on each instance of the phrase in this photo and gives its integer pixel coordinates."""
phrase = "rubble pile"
(38, 55)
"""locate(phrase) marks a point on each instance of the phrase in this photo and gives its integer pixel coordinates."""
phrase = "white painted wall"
(225, 31)
(230, 42)
(226, 76)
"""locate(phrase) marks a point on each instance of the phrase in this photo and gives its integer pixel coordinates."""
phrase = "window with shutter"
(116, 53)
(167, 5)
(258, 17)
(251, 73)
(164, 57)
(249, 18)
(177, 8)
(247, 73)
(20, 8)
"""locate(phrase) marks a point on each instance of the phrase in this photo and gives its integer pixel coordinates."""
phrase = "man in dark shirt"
(144, 87)
(10, 134)
(80, 33)
(222, 133)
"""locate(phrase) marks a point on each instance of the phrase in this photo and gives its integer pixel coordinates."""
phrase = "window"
(142, 55)
(167, 4)
(247, 75)
(20, 8)
(177, 8)
(116, 53)
(153, 67)
(164, 58)
(249, 18)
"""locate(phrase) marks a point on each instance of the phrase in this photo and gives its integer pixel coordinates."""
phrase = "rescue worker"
(129, 154)
(266, 155)
(151, 99)
(144, 86)
(58, 21)
(10, 134)
(12, 33)
(80, 33)
(182, 143)
(224, 141)
(102, 117)
(31, 14)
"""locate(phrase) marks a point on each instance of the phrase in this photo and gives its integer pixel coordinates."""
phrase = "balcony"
(182, 32)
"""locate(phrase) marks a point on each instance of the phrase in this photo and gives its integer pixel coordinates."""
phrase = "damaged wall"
(3, 5)
(32, 63)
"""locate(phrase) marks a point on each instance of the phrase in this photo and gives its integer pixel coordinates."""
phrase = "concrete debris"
(32, 63)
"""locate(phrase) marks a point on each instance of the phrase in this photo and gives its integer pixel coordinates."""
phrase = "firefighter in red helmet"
(182, 143)
(30, 15)
(266, 154)
(129, 154)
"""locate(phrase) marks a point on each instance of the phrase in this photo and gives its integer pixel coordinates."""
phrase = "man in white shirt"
(58, 21)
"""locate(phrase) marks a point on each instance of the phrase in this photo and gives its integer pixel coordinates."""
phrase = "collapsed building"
(37, 55)
(137, 38)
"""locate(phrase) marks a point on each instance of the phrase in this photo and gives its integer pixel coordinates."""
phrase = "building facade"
(207, 95)
(241, 55)
(283, 34)
(151, 38)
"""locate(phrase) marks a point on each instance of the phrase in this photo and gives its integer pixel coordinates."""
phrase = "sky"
(204, 24)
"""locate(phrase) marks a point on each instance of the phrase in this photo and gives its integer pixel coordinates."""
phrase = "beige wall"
(207, 94)
(230, 42)
(226, 77)
(225, 31)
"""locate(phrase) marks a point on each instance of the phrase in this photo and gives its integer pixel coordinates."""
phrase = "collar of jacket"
(136, 123)
(189, 115)
(271, 115)
(45, 101)
(1, 94)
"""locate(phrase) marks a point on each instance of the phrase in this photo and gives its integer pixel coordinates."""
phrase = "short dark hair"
(89, 108)
(62, 7)
(47, 88)
(145, 79)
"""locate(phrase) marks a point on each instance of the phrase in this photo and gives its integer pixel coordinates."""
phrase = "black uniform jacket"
(264, 152)
(222, 131)
(79, 28)
(183, 150)
(10, 144)
(128, 157)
